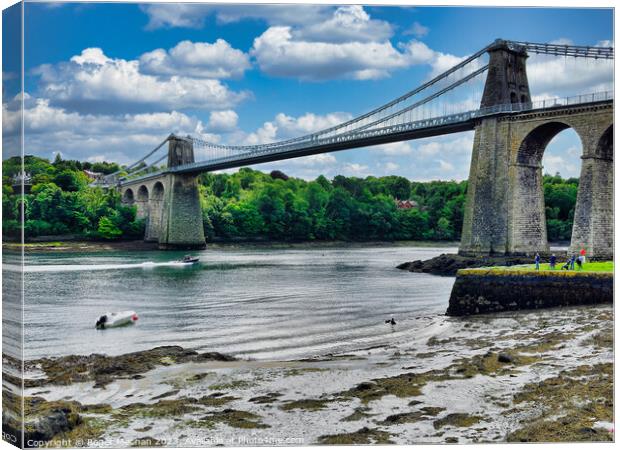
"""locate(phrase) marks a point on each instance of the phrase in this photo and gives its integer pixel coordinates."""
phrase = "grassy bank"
(598, 266)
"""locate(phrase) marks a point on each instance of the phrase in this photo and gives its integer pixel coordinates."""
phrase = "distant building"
(19, 179)
(92, 175)
(406, 204)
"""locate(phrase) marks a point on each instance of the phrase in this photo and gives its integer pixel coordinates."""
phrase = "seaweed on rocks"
(103, 369)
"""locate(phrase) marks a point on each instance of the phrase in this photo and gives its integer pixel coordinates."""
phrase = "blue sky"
(110, 81)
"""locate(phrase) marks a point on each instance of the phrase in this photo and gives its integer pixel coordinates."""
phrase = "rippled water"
(252, 302)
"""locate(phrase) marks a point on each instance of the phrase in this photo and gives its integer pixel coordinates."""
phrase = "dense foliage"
(560, 199)
(253, 205)
(60, 202)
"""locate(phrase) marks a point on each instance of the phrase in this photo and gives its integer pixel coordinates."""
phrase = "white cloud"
(193, 15)
(445, 166)
(348, 45)
(171, 15)
(264, 135)
(395, 148)
(563, 154)
(122, 138)
(441, 158)
(196, 59)
(567, 167)
(391, 166)
(91, 56)
(417, 29)
(430, 148)
(222, 120)
(289, 126)
(279, 54)
(418, 52)
(570, 76)
(6, 76)
(286, 127)
(355, 169)
(320, 161)
(92, 82)
(348, 24)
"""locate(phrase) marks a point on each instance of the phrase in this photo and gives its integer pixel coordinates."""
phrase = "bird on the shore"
(391, 321)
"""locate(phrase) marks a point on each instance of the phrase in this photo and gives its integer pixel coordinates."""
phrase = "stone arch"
(605, 147)
(156, 206)
(593, 225)
(158, 191)
(142, 202)
(527, 227)
(532, 147)
(143, 194)
(128, 197)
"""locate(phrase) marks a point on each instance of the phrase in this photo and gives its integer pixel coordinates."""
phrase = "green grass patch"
(597, 266)
(588, 267)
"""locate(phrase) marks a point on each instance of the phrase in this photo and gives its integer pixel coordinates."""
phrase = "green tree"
(107, 229)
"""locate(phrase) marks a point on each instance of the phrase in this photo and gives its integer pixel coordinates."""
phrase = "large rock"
(449, 264)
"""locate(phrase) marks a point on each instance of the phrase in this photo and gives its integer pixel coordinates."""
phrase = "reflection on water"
(251, 302)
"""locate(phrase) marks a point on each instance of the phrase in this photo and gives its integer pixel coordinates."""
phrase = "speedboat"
(116, 319)
(189, 259)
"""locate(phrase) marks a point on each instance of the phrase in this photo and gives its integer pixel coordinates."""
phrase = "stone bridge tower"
(485, 215)
(181, 217)
(170, 202)
(505, 210)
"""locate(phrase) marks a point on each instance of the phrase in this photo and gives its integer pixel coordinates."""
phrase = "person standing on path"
(572, 263)
(582, 253)
(537, 261)
(552, 262)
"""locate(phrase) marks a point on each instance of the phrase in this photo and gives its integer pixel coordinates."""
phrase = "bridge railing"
(358, 135)
(411, 126)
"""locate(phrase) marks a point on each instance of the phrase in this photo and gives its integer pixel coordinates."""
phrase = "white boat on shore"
(116, 319)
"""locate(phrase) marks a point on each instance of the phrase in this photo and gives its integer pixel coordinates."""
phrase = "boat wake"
(91, 267)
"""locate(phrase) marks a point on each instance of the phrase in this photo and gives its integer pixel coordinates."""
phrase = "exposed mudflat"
(522, 376)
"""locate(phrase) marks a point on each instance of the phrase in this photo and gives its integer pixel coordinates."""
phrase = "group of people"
(570, 263)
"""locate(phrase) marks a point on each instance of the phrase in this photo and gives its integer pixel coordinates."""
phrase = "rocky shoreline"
(521, 376)
(140, 245)
(449, 264)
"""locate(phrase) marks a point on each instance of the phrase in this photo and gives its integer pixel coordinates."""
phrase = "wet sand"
(524, 376)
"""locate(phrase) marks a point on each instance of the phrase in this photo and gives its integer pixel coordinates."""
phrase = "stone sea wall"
(480, 291)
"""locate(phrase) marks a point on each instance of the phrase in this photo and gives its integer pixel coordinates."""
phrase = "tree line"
(250, 204)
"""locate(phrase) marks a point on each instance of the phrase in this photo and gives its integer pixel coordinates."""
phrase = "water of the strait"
(251, 302)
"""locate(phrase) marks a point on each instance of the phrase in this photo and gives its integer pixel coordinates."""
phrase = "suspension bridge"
(487, 92)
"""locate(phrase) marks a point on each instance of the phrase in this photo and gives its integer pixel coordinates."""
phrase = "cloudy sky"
(110, 81)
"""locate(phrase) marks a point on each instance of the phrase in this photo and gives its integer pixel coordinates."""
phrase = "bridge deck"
(414, 130)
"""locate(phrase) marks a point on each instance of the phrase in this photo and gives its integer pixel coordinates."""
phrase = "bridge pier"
(170, 202)
(156, 206)
(181, 220)
(593, 225)
(484, 218)
(505, 206)
(485, 221)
